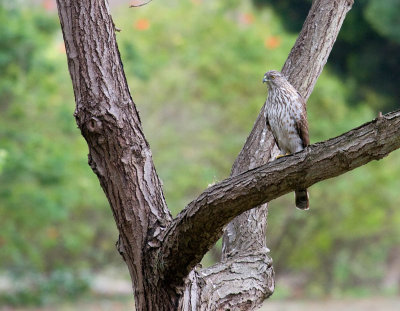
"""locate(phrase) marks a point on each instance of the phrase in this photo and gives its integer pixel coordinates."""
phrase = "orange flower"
(142, 24)
(272, 42)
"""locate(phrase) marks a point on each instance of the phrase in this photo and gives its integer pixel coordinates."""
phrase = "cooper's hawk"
(287, 117)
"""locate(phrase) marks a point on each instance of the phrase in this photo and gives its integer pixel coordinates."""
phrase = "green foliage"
(48, 196)
(195, 70)
(35, 289)
(19, 45)
(3, 156)
(384, 18)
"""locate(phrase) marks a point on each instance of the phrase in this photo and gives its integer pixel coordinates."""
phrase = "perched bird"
(286, 116)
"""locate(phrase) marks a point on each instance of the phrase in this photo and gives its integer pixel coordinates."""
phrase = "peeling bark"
(230, 284)
(160, 252)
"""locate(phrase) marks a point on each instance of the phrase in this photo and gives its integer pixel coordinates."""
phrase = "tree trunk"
(161, 252)
(118, 151)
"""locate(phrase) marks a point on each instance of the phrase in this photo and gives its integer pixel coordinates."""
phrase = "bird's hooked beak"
(265, 80)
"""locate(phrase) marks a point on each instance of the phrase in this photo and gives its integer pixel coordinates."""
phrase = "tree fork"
(161, 252)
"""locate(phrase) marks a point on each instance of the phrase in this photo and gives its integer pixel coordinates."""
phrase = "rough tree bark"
(161, 252)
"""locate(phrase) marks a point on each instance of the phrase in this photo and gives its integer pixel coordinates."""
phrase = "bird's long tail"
(301, 197)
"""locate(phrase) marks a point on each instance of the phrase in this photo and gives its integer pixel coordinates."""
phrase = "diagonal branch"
(199, 226)
(314, 44)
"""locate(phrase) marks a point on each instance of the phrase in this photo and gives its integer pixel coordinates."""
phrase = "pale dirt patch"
(126, 304)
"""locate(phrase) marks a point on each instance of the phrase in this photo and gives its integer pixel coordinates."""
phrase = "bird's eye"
(272, 77)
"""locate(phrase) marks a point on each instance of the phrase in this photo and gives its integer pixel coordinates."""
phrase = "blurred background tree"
(201, 61)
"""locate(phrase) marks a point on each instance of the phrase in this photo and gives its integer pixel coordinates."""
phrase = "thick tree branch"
(199, 226)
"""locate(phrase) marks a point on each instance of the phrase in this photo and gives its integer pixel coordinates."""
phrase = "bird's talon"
(282, 155)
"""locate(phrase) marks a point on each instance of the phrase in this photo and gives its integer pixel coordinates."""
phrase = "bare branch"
(199, 226)
(139, 4)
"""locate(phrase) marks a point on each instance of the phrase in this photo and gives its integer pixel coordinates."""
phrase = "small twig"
(115, 28)
(142, 4)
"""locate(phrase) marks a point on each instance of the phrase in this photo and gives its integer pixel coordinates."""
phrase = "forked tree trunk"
(161, 252)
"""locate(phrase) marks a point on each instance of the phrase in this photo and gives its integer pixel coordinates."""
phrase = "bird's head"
(274, 78)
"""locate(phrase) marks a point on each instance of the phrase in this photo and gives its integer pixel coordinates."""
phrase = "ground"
(125, 304)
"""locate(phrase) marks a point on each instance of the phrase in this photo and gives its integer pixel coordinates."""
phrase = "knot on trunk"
(94, 125)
